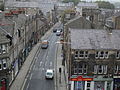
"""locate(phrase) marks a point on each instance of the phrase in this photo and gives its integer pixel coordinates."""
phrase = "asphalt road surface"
(43, 61)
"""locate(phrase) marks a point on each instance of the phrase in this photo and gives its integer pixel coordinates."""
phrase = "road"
(43, 61)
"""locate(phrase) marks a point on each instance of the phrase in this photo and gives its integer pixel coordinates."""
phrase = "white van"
(49, 74)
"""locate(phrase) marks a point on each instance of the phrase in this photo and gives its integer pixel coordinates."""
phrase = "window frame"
(81, 55)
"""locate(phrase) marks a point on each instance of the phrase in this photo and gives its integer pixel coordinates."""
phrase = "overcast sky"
(104, 0)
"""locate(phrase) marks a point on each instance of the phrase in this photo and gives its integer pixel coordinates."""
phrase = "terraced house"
(94, 59)
(19, 32)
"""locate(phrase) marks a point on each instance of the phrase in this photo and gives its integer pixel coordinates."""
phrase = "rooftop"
(94, 39)
(92, 5)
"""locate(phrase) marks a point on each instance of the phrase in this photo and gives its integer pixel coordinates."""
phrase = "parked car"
(59, 30)
(49, 74)
(44, 44)
(58, 33)
(54, 30)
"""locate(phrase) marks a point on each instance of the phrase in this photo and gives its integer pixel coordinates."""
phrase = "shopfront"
(116, 83)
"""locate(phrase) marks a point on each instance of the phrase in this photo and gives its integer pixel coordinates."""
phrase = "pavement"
(60, 81)
(62, 75)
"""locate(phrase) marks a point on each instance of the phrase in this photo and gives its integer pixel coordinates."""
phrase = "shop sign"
(80, 78)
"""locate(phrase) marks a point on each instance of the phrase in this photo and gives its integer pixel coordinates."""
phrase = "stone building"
(116, 20)
(93, 58)
(6, 33)
(91, 55)
(90, 11)
(25, 31)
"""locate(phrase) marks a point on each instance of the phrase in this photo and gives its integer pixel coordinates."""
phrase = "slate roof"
(5, 26)
(94, 39)
(44, 5)
(87, 5)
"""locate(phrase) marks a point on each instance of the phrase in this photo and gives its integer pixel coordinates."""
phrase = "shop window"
(88, 85)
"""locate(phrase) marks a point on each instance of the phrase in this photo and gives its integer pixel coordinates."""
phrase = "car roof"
(49, 70)
(44, 40)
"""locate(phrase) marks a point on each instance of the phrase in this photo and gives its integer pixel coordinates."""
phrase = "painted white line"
(43, 69)
(45, 63)
(31, 76)
(27, 86)
(40, 63)
(24, 83)
(50, 63)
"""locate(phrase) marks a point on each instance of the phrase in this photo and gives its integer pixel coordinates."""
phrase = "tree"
(74, 1)
(105, 5)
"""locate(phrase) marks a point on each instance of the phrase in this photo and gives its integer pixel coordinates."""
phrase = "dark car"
(54, 30)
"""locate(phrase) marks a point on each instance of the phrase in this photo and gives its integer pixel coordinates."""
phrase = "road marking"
(31, 76)
(50, 63)
(27, 86)
(45, 63)
(40, 63)
(43, 69)
(24, 83)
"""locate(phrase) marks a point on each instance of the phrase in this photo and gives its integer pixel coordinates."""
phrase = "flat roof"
(94, 39)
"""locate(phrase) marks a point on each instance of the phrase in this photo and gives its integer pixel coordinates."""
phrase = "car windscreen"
(48, 73)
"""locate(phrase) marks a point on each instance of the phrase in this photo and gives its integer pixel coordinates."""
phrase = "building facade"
(93, 59)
